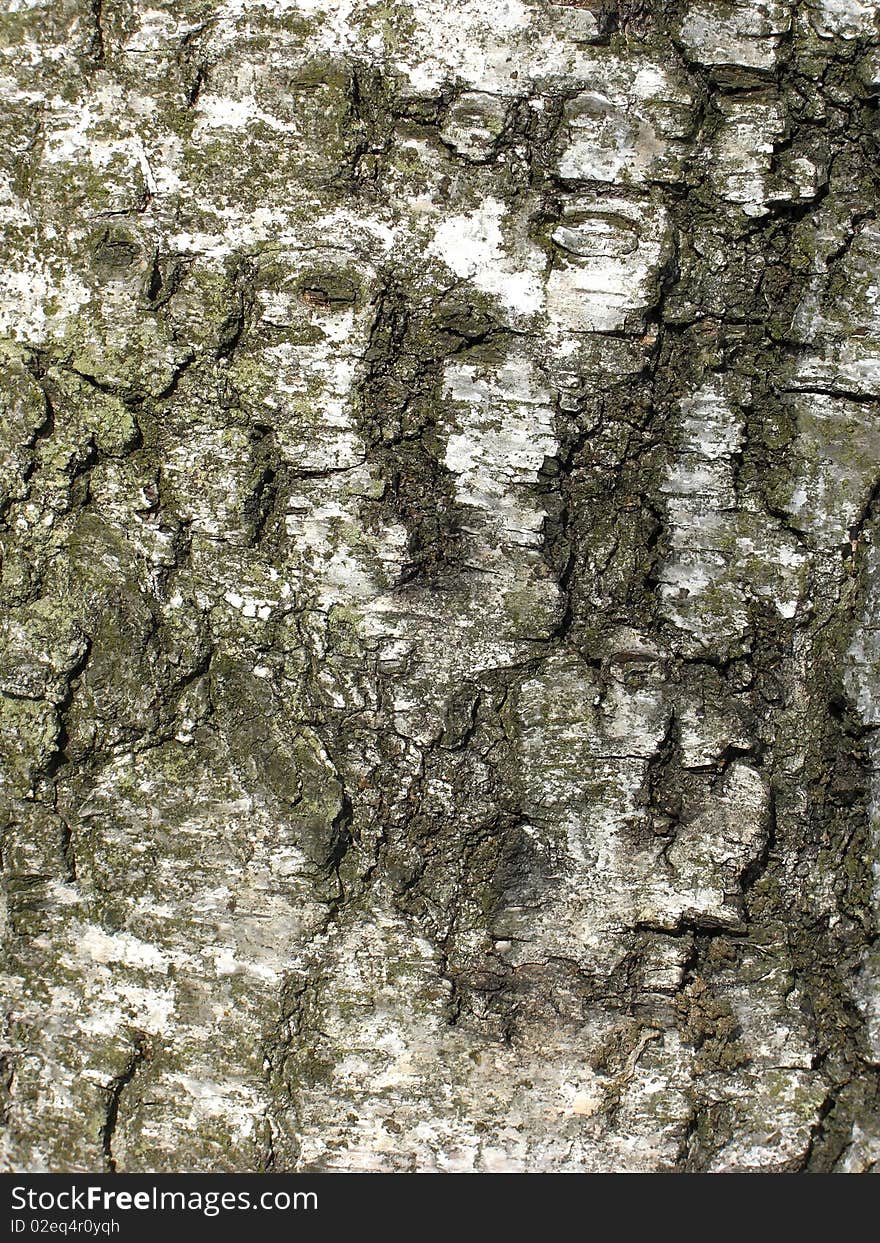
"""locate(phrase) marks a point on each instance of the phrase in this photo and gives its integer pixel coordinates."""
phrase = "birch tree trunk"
(441, 633)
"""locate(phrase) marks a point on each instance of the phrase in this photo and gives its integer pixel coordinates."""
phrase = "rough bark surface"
(441, 635)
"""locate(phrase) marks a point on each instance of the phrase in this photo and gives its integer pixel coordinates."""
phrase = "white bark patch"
(506, 432)
(743, 33)
(611, 251)
(472, 245)
(723, 556)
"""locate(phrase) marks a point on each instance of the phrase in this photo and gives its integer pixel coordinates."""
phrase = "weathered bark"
(441, 647)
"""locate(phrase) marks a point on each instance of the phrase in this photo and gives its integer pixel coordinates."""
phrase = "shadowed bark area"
(440, 667)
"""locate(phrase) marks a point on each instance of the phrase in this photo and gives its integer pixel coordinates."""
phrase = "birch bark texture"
(441, 631)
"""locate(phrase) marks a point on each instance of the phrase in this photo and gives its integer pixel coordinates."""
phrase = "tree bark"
(441, 633)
